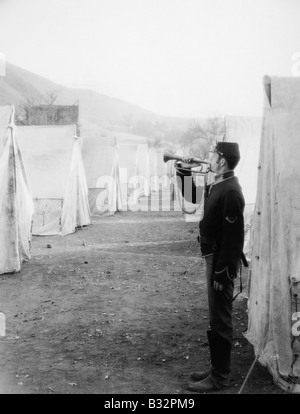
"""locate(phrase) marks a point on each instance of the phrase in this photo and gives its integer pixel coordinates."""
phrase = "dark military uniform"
(221, 244)
(222, 226)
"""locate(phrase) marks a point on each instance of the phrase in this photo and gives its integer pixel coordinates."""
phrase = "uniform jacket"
(222, 226)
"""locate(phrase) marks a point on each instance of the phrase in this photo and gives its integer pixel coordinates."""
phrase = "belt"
(215, 244)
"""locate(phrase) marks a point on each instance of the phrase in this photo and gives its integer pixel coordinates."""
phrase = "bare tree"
(156, 142)
(201, 137)
(47, 98)
(23, 108)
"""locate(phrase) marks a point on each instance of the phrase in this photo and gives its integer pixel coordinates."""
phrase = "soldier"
(221, 245)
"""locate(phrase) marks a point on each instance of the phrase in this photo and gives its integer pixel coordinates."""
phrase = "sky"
(182, 58)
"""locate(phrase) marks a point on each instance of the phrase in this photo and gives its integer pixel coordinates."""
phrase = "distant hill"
(98, 113)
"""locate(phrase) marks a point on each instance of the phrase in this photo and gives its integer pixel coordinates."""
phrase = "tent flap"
(16, 207)
(52, 156)
(276, 239)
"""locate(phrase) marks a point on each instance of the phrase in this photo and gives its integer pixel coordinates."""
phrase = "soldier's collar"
(224, 176)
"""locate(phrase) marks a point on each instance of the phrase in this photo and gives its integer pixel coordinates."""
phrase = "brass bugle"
(169, 157)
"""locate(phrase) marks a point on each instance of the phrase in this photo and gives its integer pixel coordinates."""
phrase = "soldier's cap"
(228, 150)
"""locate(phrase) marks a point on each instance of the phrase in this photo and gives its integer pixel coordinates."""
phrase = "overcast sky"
(189, 58)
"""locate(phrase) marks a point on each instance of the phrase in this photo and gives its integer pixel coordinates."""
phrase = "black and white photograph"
(149, 199)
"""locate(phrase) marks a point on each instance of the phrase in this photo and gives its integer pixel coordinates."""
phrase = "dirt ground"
(119, 307)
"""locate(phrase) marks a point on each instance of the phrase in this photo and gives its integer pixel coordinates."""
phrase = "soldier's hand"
(218, 286)
(186, 160)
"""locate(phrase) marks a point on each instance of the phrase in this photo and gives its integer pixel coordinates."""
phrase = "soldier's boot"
(200, 375)
(218, 376)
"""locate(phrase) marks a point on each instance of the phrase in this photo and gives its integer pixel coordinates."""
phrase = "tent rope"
(248, 375)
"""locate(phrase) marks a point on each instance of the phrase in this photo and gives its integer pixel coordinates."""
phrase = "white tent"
(158, 169)
(118, 172)
(273, 314)
(101, 160)
(142, 170)
(52, 157)
(161, 168)
(153, 166)
(115, 194)
(134, 169)
(5, 114)
(16, 206)
(128, 165)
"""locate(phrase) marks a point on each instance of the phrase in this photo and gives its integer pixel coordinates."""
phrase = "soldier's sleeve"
(231, 246)
(187, 186)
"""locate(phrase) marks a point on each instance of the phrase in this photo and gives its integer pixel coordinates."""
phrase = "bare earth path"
(117, 307)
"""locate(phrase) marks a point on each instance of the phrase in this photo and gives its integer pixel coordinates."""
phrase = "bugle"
(202, 166)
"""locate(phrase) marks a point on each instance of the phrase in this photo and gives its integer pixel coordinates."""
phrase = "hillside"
(98, 113)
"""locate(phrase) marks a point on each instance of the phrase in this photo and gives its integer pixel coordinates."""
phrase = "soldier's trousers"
(221, 332)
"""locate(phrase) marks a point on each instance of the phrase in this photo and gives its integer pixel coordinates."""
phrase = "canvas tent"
(153, 169)
(134, 163)
(142, 170)
(52, 157)
(5, 114)
(101, 161)
(127, 159)
(273, 316)
(118, 171)
(16, 206)
(135, 172)
(158, 169)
